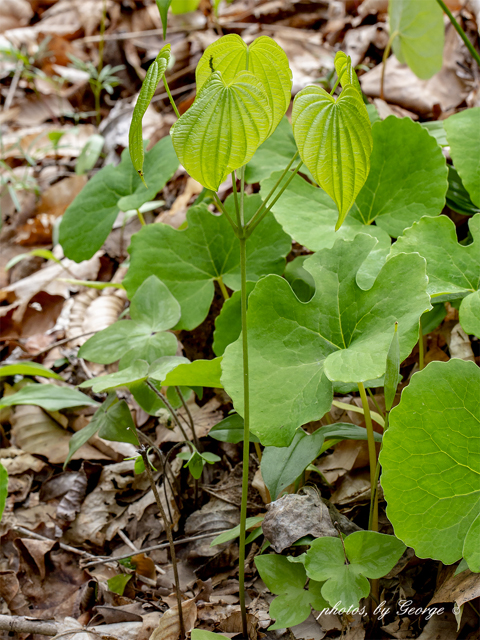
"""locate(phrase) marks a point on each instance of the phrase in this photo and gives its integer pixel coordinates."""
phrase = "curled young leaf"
(345, 72)
(154, 74)
(223, 128)
(264, 58)
(334, 139)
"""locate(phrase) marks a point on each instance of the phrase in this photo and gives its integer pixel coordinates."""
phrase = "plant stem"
(246, 435)
(259, 451)
(253, 224)
(335, 86)
(221, 208)
(421, 347)
(386, 53)
(372, 454)
(235, 197)
(272, 191)
(172, 101)
(168, 531)
(173, 413)
(460, 32)
(190, 417)
(141, 218)
(223, 288)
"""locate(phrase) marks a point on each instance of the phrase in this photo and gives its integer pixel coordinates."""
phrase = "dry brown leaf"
(35, 141)
(176, 215)
(37, 549)
(459, 589)
(14, 13)
(169, 627)
(17, 461)
(34, 431)
(58, 197)
(260, 486)
(460, 345)
(233, 624)
(33, 111)
(11, 593)
(214, 516)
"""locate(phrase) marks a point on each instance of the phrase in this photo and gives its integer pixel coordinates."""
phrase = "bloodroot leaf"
(430, 460)
(223, 128)
(334, 138)
(154, 74)
(264, 58)
(463, 135)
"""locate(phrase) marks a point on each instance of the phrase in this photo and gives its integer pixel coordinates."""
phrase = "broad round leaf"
(471, 548)
(342, 334)
(264, 58)
(463, 135)
(334, 138)
(154, 74)
(407, 180)
(430, 460)
(420, 35)
(223, 128)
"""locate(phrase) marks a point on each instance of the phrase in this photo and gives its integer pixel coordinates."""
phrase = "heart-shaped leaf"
(189, 261)
(223, 128)
(419, 35)
(264, 58)
(155, 73)
(453, 269)
(313, 224)
(230, 429)
(153, 309)
(228, 324)
(430, 457)
(88, 220)
(463, 135)
(342, 334)
(287, 579)
(345, 72)
(368, 555)
(402, 187)
(334, 138)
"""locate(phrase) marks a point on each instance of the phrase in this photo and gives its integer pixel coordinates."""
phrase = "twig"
(169, 407)
(60, 342)
(168, 531)
(130, 544)
(62, 545)
(19, 624)
(190, 417)
(155, 547)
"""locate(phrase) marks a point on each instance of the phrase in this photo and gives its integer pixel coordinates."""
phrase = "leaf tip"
(140, 173)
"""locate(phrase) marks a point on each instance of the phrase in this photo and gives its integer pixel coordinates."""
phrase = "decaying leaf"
(169, 627)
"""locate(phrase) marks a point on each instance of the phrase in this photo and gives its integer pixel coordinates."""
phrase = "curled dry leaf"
(34, 431)
(460, 345)
(296, 515)
(169, 627)
(17, 461)
(214, 516)
(460, 589)
(92, 312)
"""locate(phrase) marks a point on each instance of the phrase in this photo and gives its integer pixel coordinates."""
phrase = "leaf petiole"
(372, 454)
(170, 97)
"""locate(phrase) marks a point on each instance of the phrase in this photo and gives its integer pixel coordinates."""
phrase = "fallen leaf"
(169, 627)
(460, 589)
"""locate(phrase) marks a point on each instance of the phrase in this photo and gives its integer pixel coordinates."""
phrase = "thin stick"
(190, 417)
(168, 531)
(372, 453)
(62, 545)
(460, 32)
(169, 407)
(19, 624)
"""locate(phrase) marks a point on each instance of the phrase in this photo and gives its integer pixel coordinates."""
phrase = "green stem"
(421, 347)
(235, 198)
(141, 218)
(335, 86)
(250, 227)
(377, 476)
(221, 208)
(223, 288)
(274, 188)
(460, 31)
(172, 101)
(372, 454)
(386, 53)
(377, 407)
(246, 433)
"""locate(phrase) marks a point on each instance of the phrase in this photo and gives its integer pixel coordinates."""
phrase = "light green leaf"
(433, 318)
(370, 555)
(264, 58)
(184, 6)
(273, 155)
(228, 324)
(230, 429)
(152, 310)
(41, 253)
(343, 334)
(118, 425)
(89, 219)
(189, 261)
(458, 198)
(420, 35)
(199, 373)
(27, 369)
(89, 154)
(223, 128)
(136, 372)
(118, 583)
(313, 224)
(334, 137)
(300, 279)
(163, 7)
(201, 634)
(470, 314)
(463, 135)
(453, 269)
(345, 72)
(402, 187)
(287, 579)
(49, 397)
(281, 466)
(392, 370)
(160, 369)
(155, 73)
(436, 129)
(3, 488)
(471, 548)
(144, 395)
(233, 533)
(430, 460)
